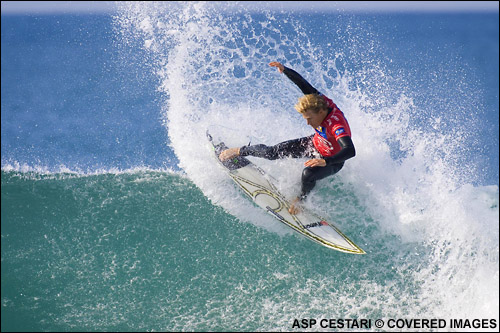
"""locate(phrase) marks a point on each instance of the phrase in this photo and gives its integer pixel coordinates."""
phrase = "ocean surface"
(115, 216)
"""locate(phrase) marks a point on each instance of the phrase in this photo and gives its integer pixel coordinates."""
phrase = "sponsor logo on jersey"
(339, 131)
(323, 145)
(321, 131)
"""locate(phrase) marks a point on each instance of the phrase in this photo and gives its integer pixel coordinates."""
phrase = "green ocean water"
(146, 250)
(87, 253)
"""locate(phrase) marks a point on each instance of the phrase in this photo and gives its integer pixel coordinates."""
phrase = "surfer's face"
(314, 119)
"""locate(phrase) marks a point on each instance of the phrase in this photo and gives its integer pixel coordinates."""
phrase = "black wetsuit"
(304, 147)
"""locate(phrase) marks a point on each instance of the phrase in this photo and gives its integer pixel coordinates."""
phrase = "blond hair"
(312, 102)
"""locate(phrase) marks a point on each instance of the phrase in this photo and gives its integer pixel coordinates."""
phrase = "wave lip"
(24, 168)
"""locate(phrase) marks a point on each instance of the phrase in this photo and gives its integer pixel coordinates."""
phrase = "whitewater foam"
(63, 170)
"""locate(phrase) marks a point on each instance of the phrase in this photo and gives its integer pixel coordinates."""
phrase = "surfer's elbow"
(348, 152)
(352, 152)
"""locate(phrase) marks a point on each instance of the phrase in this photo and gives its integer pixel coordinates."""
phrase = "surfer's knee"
(312, 174)
(308, 181)
(308, 175)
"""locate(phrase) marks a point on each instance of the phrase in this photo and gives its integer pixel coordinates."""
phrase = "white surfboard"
(255, 185)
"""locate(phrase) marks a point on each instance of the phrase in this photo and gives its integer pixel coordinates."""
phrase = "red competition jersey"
(334, 127)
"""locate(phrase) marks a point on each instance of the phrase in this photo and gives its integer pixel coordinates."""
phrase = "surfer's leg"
(296, 148)
(311, 175)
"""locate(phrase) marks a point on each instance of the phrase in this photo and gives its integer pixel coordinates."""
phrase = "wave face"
(148, 248)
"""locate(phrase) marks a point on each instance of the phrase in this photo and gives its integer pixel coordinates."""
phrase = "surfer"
(327, 149)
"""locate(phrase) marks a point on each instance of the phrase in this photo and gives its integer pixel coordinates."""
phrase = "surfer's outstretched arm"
(296, 78)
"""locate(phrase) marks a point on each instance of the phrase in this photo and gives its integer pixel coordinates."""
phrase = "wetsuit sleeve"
(345, 153)
(300, 81)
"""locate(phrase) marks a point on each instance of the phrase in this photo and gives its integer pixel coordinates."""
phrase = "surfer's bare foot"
(294, 206)
(229, 153)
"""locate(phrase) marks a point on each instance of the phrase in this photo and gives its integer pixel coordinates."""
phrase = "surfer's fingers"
(316, 162)
(278, 65)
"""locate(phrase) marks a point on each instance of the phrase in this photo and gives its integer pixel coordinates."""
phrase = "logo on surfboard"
(315, 224)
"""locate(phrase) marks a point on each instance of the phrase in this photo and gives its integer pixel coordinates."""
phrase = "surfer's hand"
(229, 153)
(278, 65)
(315, 162)
(294, 206)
